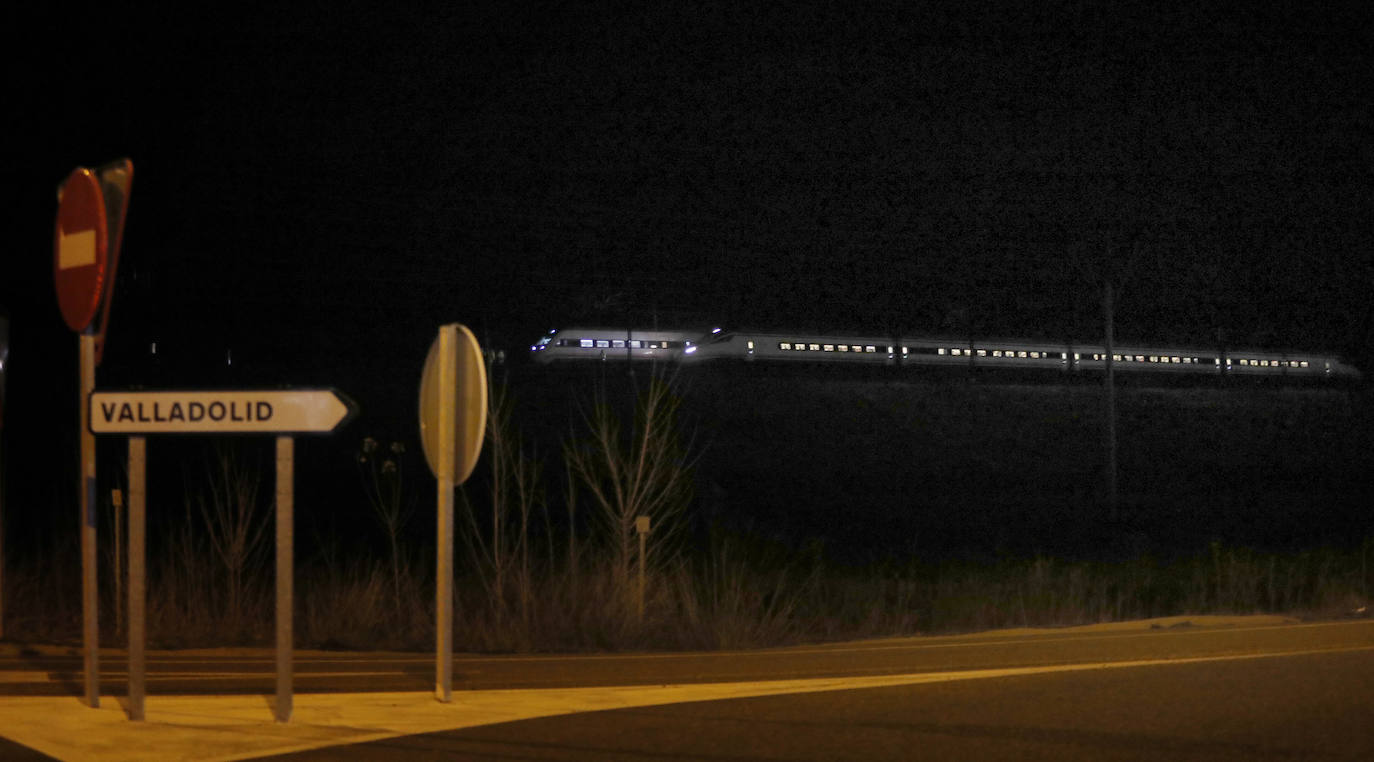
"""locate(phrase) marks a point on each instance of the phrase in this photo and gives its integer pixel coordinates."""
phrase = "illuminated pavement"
(241, 726)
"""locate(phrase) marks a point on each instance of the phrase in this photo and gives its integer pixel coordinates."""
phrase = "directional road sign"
(279, 411)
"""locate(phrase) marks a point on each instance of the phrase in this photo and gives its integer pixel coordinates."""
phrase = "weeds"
(527, 589)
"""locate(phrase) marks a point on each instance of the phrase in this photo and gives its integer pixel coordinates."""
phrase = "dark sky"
(317, 189)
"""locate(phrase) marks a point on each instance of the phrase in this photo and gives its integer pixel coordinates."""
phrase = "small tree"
(383, 475)
(503, 549)
(640, 470)
(234, 522)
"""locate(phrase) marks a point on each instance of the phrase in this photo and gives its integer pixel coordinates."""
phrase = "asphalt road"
(1276, 691)
(1311, 706)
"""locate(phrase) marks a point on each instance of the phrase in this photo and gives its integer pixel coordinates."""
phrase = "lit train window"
(751, 345)
(829, 347)
(940, 351)
(586, 342)
(1244, 362)
(784, 345)
(635, 343)
(870, 348)
(1035, 355)
(955, 352)
(843, 347)
(815, 347)
(996, 353)
(1304, 363)
(799, 347)
(905, 351)
(1021, 354)
(618, 343)
(602, 343)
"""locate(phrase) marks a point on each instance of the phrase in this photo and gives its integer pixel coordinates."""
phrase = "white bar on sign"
(75, 249)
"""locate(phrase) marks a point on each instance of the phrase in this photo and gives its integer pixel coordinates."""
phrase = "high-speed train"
(577, 344)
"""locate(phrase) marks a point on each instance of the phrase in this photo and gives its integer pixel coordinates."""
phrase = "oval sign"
(466, 374)
(80, 241)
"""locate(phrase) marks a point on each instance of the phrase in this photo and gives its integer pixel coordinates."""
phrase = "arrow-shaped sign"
(232, 411)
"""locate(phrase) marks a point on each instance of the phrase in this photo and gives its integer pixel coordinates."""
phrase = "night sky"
(316, 189)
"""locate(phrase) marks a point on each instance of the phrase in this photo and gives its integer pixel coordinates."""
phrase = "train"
(587, 344)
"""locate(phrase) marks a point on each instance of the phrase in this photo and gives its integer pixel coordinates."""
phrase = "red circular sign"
(79, 244)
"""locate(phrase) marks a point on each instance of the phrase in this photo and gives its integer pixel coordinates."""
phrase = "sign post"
(286, 455)
(283, 412)
(81, 239)
(4, 357)
(453, 422)
(137, 597)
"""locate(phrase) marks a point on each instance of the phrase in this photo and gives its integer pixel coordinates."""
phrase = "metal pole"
(1110, 412)
(89, 605)
(443, 588)
(642, 528)
(285, 570)
(137, 597)
(117, 502)
(640, 609)
(2, 520)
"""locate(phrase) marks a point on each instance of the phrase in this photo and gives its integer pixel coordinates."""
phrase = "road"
(1247, 691)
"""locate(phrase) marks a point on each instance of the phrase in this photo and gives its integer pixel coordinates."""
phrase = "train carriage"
(693, 345)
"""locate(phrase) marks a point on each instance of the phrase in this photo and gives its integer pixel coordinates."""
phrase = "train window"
(940, 351)
(982, 353)
(870, 348)
(586, 342)
(799, 347)
(1304, 363)
(996, 353)
(956, 352)
(784, 345)
(1035, 355)
(829, 347)
(843, 347)
(618, 343)
(1021, 354)
(815, 347)
(751, 345)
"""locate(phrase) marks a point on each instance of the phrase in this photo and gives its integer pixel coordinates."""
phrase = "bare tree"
(639, 470)
(234, 521)
(383, 473)
(503, 549)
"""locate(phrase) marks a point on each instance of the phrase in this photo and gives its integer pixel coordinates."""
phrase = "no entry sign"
(80, 243)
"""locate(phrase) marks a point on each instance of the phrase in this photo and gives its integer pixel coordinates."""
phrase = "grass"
(558, 575)
(723, 601)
